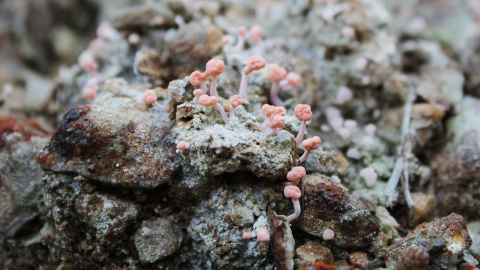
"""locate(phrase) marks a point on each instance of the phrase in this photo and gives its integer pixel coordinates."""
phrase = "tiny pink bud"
(328, 234)
(270, 110)
(237, 100)
(183, 146)
(89, 92)
(215, 67)
(296, 174)
(149, 97)
(254, 63)
(242, 31)
(276, 73)
(197, 78)
(277, 121)
(226, 39)
(303, 112)
(311, 143)
(87, 62)
(292, 192)
(247, 235)
(263, 235)
(198, 92)
(294, 80)
(227, 107)
(255, 34)
(208, 101)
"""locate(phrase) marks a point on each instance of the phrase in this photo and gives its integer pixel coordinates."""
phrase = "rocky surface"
(393, 91)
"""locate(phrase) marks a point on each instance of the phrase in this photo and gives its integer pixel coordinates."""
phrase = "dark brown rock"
(433, 245)
(327, 204)
(114, 141)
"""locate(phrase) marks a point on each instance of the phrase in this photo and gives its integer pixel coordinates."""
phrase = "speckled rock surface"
(327, 205)
(127, 151)
(435, 245)
(157, 239)
(457, 166)
(173, 186)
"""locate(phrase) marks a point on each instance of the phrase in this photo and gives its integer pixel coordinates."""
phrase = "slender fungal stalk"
(297, 210)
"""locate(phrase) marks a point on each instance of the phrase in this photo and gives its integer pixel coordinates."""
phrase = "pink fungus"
(276, 73)
(263, 235)
(312, 143)
(198, 92)
(277, 121)
(255, 34)
(247, 235)
(208, 101)
(89, 92)
(197, 78)
(270, 110)
(237, 100)
(309, 145)
(294, 80)
(215, 67)
(254, 63)
(296, 174)
(87, 62)
(328, 234)
(303, 112)
(292, 192)
(183, 146)
(149, 97)
(242, 31)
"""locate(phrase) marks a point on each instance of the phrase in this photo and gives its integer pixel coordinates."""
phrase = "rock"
(20, 182)
(327, 162)
(88, 226)
(456, 167)
(327, 204)
(311, 252)
(423, 207)
(156, 15)
(157, 239)
(359, 260)
(216, 226)
(106, 215)
(216, 149)
(439, 243)
(129, 151)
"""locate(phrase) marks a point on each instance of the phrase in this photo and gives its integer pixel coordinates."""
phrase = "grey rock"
(157, 239)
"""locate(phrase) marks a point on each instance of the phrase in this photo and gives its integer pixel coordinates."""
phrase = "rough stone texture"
(216, 230)
(157, 239)
(240, 145)
(434, 245)
(327, 204)
(456, 168)
(21, 209)
(128, 151)
(87, 226)
(311, 252)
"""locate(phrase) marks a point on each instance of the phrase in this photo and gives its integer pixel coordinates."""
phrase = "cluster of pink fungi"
(206, 94)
